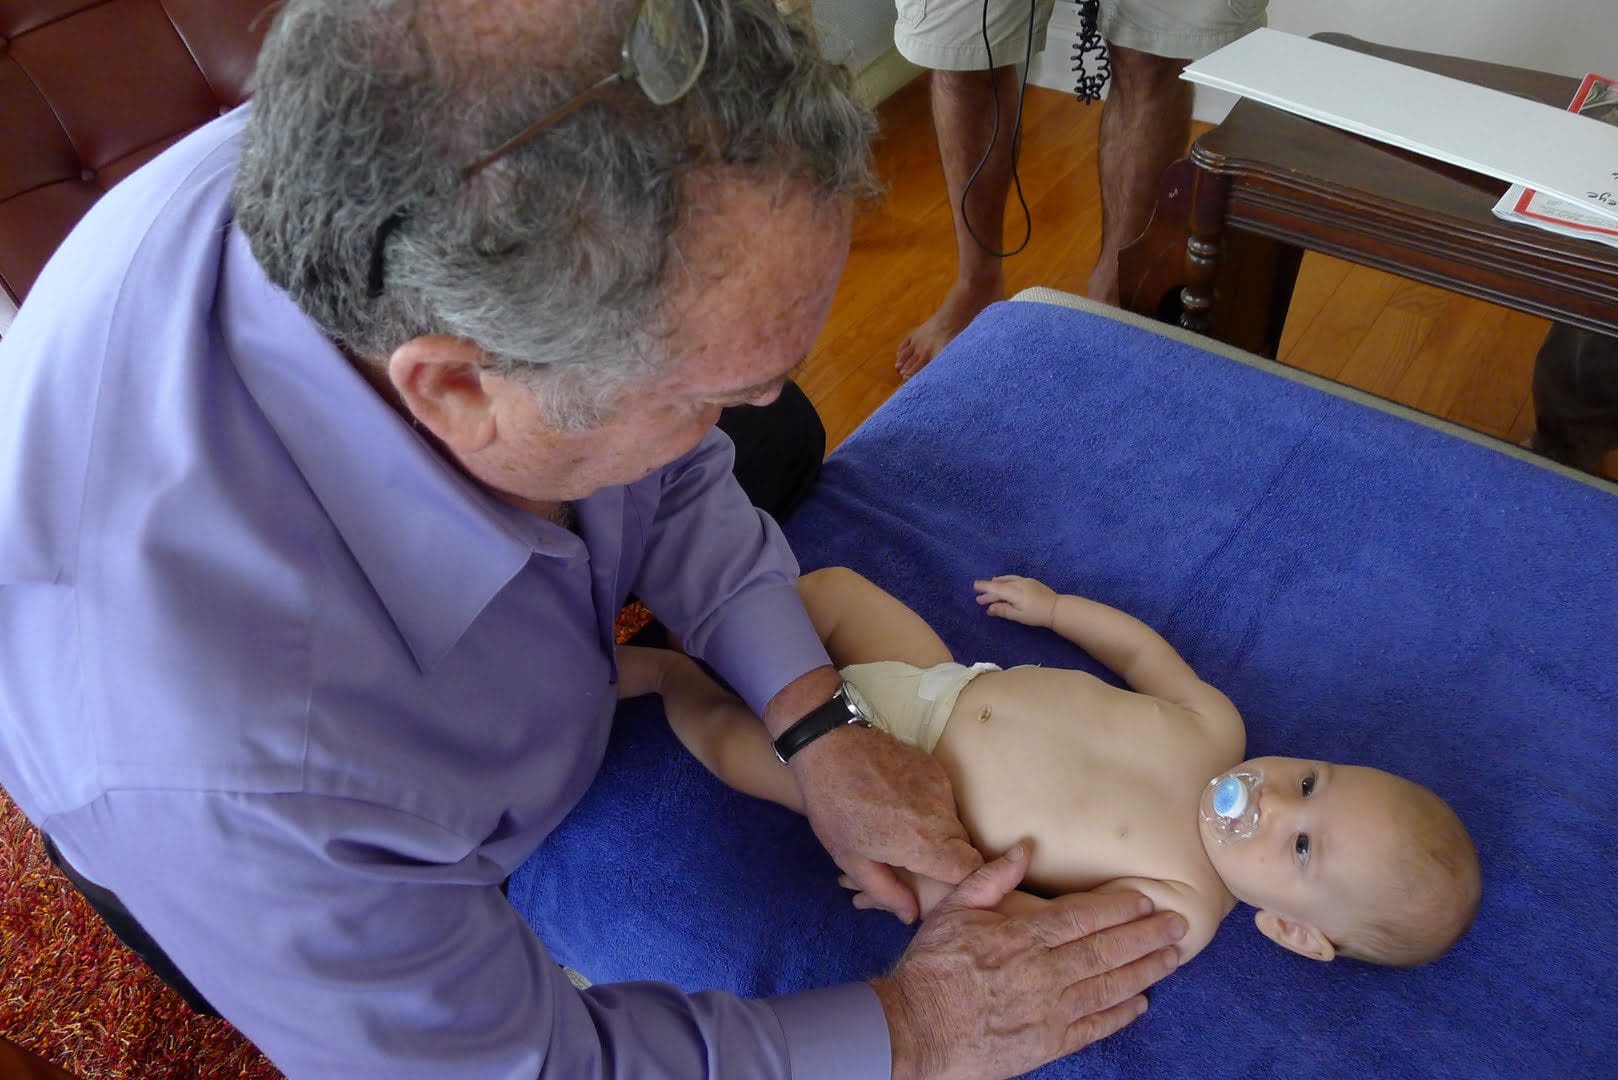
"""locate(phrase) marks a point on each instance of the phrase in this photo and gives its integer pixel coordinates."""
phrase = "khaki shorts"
(947, 35)
(910, 703)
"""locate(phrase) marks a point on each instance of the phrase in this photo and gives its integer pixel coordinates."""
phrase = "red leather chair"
(92, 89)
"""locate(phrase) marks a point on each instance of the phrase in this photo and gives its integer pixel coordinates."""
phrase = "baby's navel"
(984, 714)
(1123, 832)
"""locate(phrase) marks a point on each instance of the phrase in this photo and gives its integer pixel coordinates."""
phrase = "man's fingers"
(1097, 1026)
(1121, 945)
(989, 884)
(1078, 915)
(1111, 985)
(883, 888)
(949, 861)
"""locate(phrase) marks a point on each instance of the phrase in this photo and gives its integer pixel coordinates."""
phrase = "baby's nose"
(1274, 805)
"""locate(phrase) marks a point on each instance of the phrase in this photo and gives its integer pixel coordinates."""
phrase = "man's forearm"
(798, 697)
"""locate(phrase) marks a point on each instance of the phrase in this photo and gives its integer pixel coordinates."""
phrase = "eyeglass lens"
(667, 46)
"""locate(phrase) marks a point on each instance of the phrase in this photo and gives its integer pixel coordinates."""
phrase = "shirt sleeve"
(346, 939)
(718, 572)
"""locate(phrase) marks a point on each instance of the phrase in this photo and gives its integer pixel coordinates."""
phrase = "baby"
(1140, 789)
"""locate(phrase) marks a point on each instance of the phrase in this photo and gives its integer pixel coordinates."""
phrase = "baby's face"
(1325, 839)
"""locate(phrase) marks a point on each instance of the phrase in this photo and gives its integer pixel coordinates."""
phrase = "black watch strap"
(835, 713)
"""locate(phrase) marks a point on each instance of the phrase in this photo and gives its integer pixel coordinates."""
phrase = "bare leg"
(860, 623)
(1144, 127)
(963, 119)
(722, 733)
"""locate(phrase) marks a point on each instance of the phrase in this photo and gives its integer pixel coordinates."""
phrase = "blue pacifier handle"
(1230, 797)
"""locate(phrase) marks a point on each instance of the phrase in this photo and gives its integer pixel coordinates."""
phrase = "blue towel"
(1365, 588)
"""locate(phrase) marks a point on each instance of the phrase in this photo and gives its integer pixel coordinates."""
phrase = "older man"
(331, 442)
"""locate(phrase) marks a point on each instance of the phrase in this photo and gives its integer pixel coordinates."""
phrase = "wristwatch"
(845, 707)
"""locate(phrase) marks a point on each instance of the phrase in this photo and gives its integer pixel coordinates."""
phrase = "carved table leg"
(1202, 249)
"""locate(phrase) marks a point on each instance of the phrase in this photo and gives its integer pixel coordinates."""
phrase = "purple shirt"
(303, 695)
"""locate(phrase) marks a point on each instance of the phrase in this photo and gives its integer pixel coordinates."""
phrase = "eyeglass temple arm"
(527, 134)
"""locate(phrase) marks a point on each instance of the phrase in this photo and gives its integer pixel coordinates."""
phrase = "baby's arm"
(1122, 642)
(1202, 911)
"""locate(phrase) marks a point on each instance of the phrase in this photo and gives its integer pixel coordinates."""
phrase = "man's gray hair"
(556, 260)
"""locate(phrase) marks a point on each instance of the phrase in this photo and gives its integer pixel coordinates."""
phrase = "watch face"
(857, 700)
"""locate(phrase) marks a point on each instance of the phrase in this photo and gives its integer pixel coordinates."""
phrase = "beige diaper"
(910, 703)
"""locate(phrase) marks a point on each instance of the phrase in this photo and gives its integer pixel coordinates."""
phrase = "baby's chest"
(1121, 827)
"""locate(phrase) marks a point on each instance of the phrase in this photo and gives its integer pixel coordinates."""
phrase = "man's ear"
(441, 383)
(1300, 937)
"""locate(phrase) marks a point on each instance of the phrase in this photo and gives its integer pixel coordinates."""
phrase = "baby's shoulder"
(1218, 718)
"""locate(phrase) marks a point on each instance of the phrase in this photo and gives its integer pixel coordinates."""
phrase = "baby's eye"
(1300, 847)
(1309, 785)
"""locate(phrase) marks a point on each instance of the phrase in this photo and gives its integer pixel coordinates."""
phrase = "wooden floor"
(1457, 358)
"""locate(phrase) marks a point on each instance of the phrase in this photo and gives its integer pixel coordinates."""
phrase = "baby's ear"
(1300, 937)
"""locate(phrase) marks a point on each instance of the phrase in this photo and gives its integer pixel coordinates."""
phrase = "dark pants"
(1576, 396)
(130, 932)
(778, 452)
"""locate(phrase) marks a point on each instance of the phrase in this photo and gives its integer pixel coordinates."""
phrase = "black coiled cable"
(1091, 65)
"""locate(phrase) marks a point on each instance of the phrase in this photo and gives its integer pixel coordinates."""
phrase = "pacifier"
(1230, 805)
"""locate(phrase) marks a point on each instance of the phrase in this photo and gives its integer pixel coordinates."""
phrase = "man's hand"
(1020, 599)
(876, 803)
(981, 994)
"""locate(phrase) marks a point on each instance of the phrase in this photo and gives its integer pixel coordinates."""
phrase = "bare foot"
(960, 307)
(1103, 286)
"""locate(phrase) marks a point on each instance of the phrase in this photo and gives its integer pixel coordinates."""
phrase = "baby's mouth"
(1230, 804)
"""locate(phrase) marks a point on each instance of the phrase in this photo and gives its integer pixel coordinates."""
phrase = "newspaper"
(1597, 99)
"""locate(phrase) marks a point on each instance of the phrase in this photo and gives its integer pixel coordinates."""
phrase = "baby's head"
(1345, 860)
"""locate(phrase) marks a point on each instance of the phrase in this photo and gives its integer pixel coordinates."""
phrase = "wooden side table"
(1265, 185)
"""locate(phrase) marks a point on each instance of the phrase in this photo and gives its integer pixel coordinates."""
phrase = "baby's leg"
(722, 733)
(861, 624)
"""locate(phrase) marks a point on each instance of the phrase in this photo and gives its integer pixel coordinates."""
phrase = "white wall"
(1566, 36)
(857, 32)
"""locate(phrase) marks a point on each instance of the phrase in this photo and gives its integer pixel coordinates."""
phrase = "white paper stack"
(1557, 153)
(1597, 96)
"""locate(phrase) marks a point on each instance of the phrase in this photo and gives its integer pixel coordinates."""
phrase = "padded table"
(1368, 585)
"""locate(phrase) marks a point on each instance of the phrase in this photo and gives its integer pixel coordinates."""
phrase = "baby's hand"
(1019, 599)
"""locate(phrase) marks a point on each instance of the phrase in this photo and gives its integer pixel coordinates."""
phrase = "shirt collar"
(435, 546)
